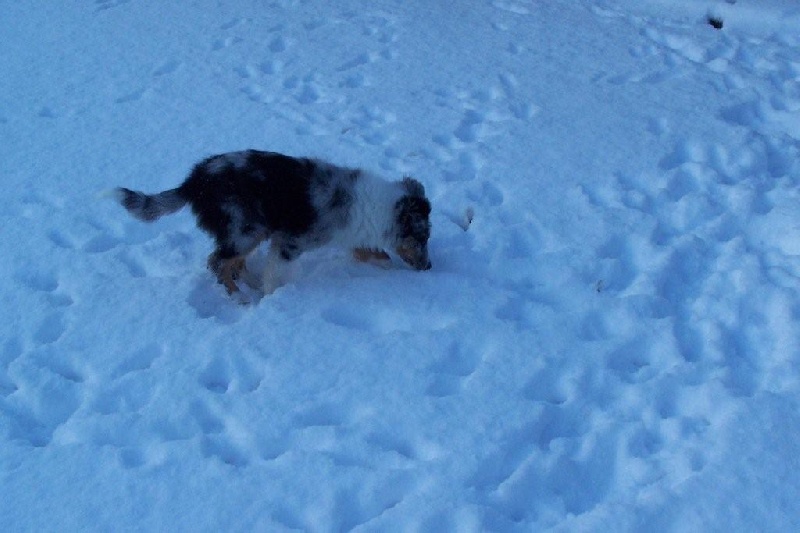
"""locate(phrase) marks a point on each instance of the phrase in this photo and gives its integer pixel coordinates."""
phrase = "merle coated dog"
(244, 198)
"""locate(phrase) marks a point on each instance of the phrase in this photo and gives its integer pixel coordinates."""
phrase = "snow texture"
(609, 339)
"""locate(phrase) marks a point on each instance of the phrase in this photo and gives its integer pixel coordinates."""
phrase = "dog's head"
(413, 226)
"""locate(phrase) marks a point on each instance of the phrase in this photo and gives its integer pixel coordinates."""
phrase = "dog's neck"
(372, 215)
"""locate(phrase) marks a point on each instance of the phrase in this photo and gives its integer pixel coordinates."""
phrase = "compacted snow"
(609, 339)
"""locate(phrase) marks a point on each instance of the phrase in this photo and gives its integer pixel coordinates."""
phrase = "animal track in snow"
(368, 125)
(234, 22)
(359, 61)
(396, 444)
(688, 268)
(38, 281)
(103, 5)
(86, 235)
(453, 371)
(717, 52)
(11, 350)
(319, 102)
(142, 359)
(47, 391)
(550, 385)
(278, 44)
(47, 112)
(232, 373)
(545, 460)
(167, 67)
(50, 329)
(517, 7)
(487, 194)
(158, 74)
(221, 439)
(482, 115)
(128, 394)
(224, 42)
(54, 323)
(690, 278)
(320, 415)
(216, 376)
(210, 301)
(382, 320)
(132, 96)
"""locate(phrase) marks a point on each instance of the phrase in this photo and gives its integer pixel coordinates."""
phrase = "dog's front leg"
(279, 259)
(374, 256)
(227, 270)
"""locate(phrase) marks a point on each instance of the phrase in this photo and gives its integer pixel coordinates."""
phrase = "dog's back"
(264, 188)
(264, 191)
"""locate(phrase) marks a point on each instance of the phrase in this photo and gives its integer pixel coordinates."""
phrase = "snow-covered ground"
(613, 344)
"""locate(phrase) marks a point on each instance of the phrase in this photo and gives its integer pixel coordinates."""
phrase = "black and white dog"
(244, 198)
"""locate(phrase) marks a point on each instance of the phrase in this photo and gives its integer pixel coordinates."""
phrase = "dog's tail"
(149, 207)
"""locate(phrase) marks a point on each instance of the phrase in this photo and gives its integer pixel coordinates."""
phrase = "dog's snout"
(422, 263)
(415, 256)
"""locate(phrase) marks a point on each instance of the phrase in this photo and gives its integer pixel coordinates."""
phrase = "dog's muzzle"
(415, 256)
(422, 263)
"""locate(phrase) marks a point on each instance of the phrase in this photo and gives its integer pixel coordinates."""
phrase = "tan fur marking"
(227, 270)
(370, 255)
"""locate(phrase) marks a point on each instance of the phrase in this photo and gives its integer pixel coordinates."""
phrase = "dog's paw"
(242, 298)
(270, 284)
(248, 279)
(248, 295)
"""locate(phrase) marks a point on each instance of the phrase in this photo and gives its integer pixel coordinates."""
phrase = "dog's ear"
(413, 187)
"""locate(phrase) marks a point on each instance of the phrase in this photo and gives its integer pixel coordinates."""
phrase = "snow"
(609, 336)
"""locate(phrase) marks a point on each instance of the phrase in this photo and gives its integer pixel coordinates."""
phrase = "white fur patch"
(371, 222)
(219, 163)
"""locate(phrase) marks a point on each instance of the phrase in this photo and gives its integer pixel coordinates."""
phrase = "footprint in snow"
(46, 396)
(140, 360)
(231, 373)
(103, 5)
(167, 67)
(452, 372)
(383, 320)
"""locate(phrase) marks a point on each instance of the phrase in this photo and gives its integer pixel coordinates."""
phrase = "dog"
(299, 204)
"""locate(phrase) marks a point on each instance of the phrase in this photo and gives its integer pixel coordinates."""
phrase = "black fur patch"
(243, 200)
(413, 187)
(414, 230)
(413, 217)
